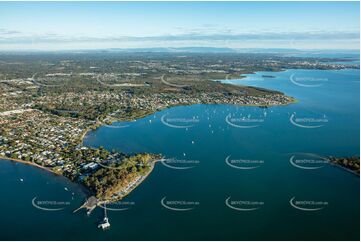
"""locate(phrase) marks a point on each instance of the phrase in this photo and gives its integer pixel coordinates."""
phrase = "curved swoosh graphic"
(303, 85)
(303, 126)
(304, 209)
(239, 126)
(175, 209)
(106, 84)
(108, 167)
(113, 209)
(172, 125)
(171, 84)
(305, 167)
(45, 209)
(239, 209)
(32, 79)
(175, 167)
(240, 167)
(115, 126)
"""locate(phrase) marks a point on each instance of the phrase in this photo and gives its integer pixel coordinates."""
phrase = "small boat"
(21, 179)
(90, 210)
(105, 224)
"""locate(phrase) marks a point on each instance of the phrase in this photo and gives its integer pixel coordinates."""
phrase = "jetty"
(105, 224)
(90, 204)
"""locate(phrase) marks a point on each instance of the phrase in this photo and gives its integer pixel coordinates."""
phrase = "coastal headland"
(47, 110)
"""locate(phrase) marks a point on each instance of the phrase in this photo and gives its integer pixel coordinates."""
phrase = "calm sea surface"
(231, 173)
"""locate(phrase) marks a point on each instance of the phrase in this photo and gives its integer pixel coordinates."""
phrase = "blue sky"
(89, 25)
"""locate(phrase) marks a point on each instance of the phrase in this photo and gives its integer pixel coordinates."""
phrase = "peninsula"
(48, 102)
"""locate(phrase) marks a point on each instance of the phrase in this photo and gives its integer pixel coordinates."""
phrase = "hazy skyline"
(92, 25)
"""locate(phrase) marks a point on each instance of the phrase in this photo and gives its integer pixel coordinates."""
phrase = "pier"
(105, 224)
(90, 204)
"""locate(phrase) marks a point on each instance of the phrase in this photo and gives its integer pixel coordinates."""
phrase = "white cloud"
(207, 35)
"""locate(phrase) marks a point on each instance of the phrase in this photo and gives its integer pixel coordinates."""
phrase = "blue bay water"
(332, 97)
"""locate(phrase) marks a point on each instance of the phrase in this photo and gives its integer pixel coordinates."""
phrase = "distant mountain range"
(198, 50)
(222, 50)
(180, 49)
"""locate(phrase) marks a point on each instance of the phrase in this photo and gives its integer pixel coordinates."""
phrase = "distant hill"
(179, 49)
(280, 51)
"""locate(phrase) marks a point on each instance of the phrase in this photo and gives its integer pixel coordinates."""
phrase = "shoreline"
(143, 178)
(33, 164)
(29, 163)
(97, 124)
(134, 187)
(111, 121)
(344, 168)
